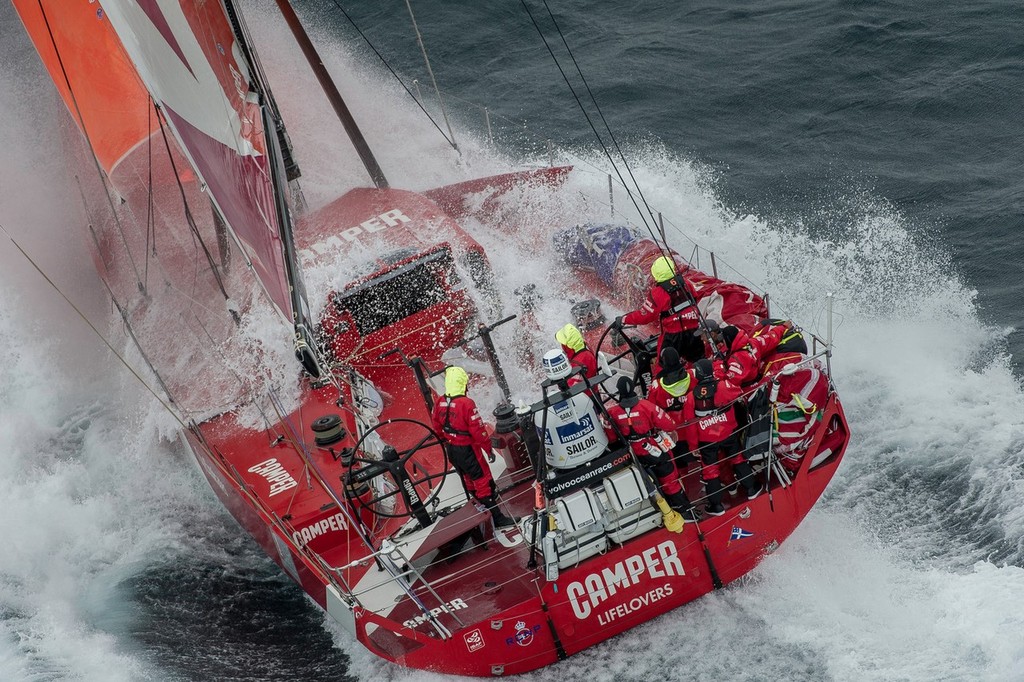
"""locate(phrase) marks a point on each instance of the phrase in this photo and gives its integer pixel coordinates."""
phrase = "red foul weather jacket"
(640, 425)
(747, 352)
(459, 422)
(584, 358)
(659, 305)
(711, 405)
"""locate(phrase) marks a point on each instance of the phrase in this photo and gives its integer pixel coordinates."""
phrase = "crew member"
(745, 354)
(673, 302)
(669, 391)
(457, 421)
(640, 423)
(713, 402)
(575, 349)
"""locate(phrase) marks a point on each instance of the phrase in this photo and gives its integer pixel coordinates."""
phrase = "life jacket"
(714, 424)
(449, 403)
(678, 294)
(704, 397)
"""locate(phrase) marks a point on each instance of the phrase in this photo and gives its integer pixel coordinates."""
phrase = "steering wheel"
(643, 351)
(400, 478)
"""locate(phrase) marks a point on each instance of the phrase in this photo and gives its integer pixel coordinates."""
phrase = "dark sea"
(870, 149)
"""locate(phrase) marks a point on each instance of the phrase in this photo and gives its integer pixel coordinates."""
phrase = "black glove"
(617, 323)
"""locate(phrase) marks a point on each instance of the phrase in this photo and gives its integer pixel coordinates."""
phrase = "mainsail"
(191, 62)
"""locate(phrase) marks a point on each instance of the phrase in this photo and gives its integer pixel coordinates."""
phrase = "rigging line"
(92, 151)
(94, 329)
(662, 246)
(188, 212)
(590, 121)
(600, 112)
(430, 71)
(126, 324)
(215, 347)
(405, 87)
(150, 222)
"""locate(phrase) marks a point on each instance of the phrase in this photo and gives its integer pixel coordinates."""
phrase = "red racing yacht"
(327, 456)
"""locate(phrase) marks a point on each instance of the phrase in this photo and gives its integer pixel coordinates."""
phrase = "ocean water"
(870, 149)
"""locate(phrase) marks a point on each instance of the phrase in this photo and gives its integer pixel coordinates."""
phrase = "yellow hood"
(455, 381)
(663, 269)
(570, 337)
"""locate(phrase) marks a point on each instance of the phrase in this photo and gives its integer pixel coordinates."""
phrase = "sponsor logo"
(655, 562)
(577, 448)
(453, 605)
(338, 242)
(576, 481)
(635, 604)
(474, 640)
(572, 432)
(708, 422)
(410, 490)
(564, 410)
(275, 474)
(524, 635)
(305, 535)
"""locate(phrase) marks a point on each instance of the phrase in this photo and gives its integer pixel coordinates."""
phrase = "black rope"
(188, 211)
(661, 243)
(395, 74)
(601, 114)
(150, 217)
(583, 109)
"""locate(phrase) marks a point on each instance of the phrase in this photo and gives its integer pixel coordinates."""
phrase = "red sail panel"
(185, 52)
(114, 105)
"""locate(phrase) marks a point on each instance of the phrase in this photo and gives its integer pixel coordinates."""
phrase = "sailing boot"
(681, 503)
(714, 493)
(745, 473)
(500, 520)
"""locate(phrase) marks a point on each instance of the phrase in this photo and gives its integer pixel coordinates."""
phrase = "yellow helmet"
(663, 268)
(455, 381)
(570, 337)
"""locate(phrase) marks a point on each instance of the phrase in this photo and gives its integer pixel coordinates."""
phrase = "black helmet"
(729, 334)
(670, 363)
(626, 392)
(703, 369)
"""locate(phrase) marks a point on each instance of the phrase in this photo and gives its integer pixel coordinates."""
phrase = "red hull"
(662, 572)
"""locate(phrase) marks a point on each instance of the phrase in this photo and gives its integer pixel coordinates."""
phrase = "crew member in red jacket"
(746, 353)
(456, 420)
(640, 423)
(673, 302)
(575, 348)
(669, 391)
(713, 402)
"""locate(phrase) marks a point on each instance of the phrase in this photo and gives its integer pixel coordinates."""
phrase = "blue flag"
(739, 533)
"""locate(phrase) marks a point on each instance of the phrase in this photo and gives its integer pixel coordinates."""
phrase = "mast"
(333, 96)
(291, 166)
(305, 346)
